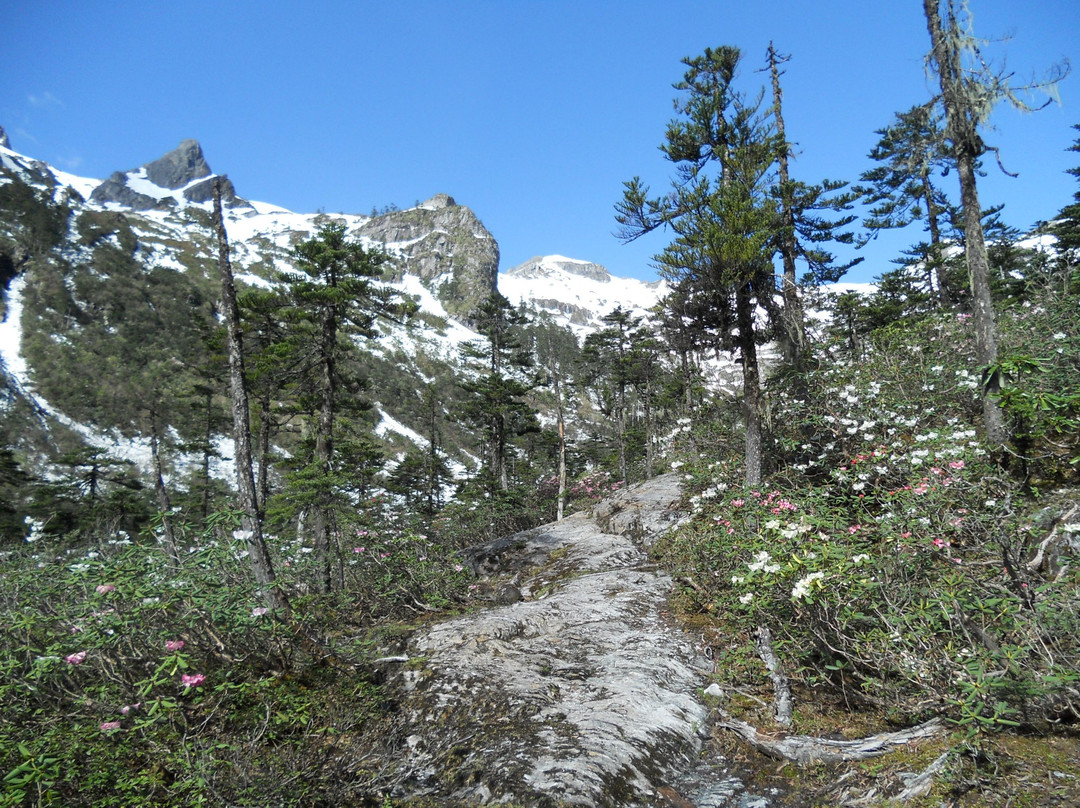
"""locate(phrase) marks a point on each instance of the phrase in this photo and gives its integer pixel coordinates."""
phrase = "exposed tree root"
(920, 784)
(804, 749)
(781, 688)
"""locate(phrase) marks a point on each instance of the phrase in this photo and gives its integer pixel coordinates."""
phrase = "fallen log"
(804, 749)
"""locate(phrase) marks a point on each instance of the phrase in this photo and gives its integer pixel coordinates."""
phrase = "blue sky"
(531, 112)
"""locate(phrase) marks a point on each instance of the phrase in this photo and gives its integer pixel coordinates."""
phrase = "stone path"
(583, 692)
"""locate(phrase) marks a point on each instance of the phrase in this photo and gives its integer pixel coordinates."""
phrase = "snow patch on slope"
(557, 285)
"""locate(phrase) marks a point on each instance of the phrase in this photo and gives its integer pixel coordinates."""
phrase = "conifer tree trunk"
(793, 332)
(967, 146)
(751, 385)
(251, 521)
(324, 450)
(433, 482)
(560, 415)
(208, 436)
(649, 450)
(934, 268)
(262, 490)
(162, 494)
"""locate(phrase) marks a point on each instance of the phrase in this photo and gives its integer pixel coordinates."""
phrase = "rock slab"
(581, 693)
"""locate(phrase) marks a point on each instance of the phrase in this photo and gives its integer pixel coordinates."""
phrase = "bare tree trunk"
(168, 535)
(263, 481)
(561, 416)
(934, 264)
(793, 340)
(751, 385)
(251, 521)
(207, 439)
(967, 146)
(986, 352)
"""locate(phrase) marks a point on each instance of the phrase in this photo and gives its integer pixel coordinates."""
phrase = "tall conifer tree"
(970, 90)
(722, 213)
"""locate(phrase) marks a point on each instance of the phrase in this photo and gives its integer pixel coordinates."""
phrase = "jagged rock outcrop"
(179, 167)
(580, 693)
(176, 170)
(446, 246)
(4, 142)
(116, 189)
(578, 315)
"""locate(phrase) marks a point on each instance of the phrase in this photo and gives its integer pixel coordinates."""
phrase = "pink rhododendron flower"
(108, 726)
(939, 543)
(103, 589)
(956, 464)
(76, 659)
(127, 708)
(174, 645)
(259, 611)
(192, 679)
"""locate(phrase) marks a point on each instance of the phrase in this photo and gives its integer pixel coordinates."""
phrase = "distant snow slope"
(577, 293)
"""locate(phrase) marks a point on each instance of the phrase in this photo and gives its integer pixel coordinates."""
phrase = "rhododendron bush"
(888, 552)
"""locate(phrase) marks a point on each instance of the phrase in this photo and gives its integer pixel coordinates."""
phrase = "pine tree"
(334, 300)
(723, 214)
(608, 353)
(496, 391)
(802, 229)
(1066, 227)
(252, 519)
(903, 188)
(557, 352)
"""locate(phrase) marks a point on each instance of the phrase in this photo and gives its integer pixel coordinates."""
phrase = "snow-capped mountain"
(159, 215)
(575, 293)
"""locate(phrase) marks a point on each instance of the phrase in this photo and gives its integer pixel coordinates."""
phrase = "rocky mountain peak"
(438, 202)
(446, 246)
(4, 139)
(171, 179)
(179, 167)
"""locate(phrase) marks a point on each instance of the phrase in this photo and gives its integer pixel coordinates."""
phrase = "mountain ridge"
(158, 216)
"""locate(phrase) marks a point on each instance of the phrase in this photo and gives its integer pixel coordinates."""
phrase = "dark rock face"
(204, 191)
(116, 189)
(4, 139)
(179, 167)
(447, 246)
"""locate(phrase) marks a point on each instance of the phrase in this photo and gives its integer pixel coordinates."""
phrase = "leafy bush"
(129, 679)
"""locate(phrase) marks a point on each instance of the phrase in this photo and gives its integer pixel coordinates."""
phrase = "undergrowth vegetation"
(128, 678)
(899, 565)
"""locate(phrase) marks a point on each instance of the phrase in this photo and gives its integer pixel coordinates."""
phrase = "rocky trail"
(575, 688)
